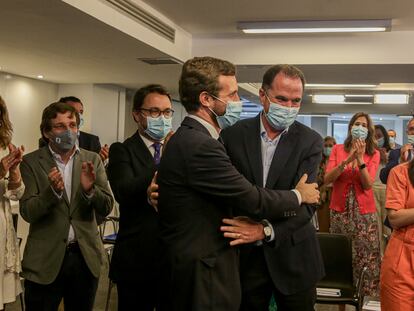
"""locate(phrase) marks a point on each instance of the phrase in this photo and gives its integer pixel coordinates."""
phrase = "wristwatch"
(362, 166)
(267, 230)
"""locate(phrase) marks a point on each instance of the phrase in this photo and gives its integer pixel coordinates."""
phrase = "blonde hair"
(6, 129)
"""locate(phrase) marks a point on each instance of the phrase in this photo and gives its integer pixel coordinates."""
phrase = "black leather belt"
(73, 247)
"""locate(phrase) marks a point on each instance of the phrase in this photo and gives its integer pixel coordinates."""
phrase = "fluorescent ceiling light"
(359, 95)
(391, 99)
(324, 99)
(314, 115)
(339, 86)
(328, 26)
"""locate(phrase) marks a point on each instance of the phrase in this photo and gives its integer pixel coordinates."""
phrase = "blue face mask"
(392, 141)
(65, 141)
(380, 142)
(281, 117)
(81, 121)
(359, 132)
(327, 151)
(232, 114)
(158, 128)
(410, 139)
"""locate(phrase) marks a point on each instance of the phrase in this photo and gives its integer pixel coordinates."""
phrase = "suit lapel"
(284, 148)
(252, 144)
(141, 151)
(46, 161)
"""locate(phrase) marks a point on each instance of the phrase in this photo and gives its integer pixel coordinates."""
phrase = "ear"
(262, 97)
(135, 116)
(204, 99)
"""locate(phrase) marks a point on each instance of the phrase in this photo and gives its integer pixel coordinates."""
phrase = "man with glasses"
(199, 187)
(273, 150)
(66, 187)
(132, 174)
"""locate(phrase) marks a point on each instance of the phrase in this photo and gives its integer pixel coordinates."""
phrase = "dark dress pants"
(74, 283)
(257, 286)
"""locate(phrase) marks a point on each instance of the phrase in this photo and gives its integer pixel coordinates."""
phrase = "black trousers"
(257, 287)
(74, 283)
(134, 295)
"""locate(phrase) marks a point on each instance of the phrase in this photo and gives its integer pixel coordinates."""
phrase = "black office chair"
(337, 256)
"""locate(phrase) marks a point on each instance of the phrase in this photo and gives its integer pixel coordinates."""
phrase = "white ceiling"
(67, 45)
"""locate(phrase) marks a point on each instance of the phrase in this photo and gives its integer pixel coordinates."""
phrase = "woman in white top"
(11, 188)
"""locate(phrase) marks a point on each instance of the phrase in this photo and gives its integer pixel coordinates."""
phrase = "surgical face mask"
(65, 141)
(327, 151)
(380, 142)
(392, 140)
(410, 139)
(158, 128)
(232, 114)
(281, 117)
(81, 120)
(359, 132)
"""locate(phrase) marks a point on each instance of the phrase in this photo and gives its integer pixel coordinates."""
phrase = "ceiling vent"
(133, 11)
(161, 61)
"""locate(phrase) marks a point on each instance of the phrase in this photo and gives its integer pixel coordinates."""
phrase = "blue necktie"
(157, 153)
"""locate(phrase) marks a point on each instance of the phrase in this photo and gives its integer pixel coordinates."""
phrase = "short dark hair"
(288, 70)
(386, 136)
(68, 99)
(201, 74)
(51, 111)
(143, 92)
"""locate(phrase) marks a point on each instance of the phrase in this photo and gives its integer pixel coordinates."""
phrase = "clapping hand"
(104, 152)
(56, 180)
(152, 192)
(308, 192)
(12, 160)
(88, 177)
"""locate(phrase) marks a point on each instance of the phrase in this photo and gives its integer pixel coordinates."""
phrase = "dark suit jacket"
(86, 141)
(130, 171)
(198, 187)
(50, 217)
(393, 160)
(293, 259)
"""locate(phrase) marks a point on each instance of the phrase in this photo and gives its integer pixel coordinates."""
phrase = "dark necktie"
(157, 152)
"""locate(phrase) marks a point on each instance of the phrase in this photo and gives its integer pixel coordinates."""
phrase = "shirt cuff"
(298, 195)
(90, 195)
(59, 196)
(272, 235)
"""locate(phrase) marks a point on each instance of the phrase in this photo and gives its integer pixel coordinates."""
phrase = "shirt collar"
(148, 142)
(57, 156)
(263, 132)
(211, 129)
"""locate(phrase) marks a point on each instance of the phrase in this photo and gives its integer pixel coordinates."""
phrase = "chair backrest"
(336, 252)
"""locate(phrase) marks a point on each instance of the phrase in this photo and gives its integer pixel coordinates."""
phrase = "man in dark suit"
(199, 186)
(274, 150)
(131, 170)
(400, 155)
(86, 141)
(65, 188)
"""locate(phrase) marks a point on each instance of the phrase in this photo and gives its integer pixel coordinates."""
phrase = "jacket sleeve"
(102, 201)
(124, 183)
(210, 171)
(35, 203)
(284, 229)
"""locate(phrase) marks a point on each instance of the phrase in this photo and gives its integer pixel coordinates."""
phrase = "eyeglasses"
(155, 112)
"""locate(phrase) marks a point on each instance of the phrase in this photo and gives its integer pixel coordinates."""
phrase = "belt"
(73, 247)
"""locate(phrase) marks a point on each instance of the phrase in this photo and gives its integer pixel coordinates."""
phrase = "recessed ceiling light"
(327, 99)
(40, 76)
(339, 86)
(359, 95)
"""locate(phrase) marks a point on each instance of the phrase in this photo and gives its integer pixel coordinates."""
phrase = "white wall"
(25, 99)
